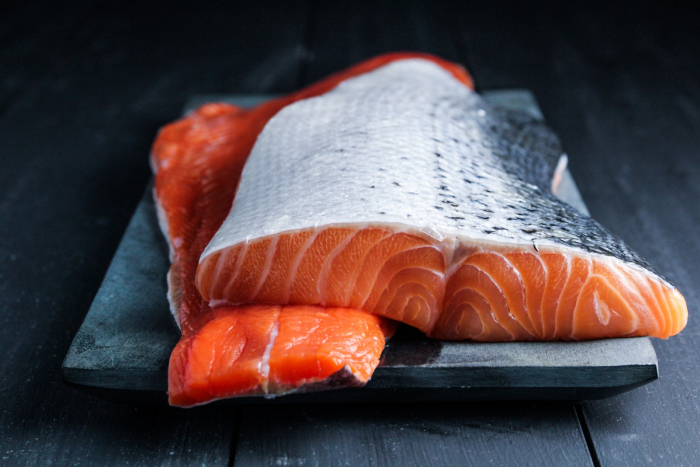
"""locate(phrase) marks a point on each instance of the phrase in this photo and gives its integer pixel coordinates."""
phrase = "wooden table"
(84, 88)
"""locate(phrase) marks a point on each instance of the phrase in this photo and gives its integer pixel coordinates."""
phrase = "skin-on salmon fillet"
(392, 190)
(245, 350)
(403, 193)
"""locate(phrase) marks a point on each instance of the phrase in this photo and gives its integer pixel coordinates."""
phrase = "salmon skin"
(243, 350)
(402, 193)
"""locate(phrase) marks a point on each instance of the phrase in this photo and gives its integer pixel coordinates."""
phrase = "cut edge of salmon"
(598, 297)
(273, 350)
(449, 289)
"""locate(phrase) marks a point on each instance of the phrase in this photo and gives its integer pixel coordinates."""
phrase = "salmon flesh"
(391, 192)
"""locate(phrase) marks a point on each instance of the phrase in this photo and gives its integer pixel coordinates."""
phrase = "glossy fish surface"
(402, 193)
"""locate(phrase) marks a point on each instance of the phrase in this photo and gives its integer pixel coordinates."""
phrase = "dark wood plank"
(84, 89)
(417, 434)
(28, 71)
(654, 173)
(88, 433)
(620, 85)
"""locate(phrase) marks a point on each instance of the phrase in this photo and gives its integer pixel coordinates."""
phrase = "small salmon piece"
(262, 349)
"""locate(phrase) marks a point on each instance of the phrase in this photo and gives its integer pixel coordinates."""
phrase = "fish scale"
(408, 145)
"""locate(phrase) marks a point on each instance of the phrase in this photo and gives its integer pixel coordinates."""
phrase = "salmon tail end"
(273, 350)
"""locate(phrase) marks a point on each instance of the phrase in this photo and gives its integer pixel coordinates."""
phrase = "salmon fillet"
(402, 193)
(230, 351)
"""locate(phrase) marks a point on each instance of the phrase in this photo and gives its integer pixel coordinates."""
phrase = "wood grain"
(416, 434)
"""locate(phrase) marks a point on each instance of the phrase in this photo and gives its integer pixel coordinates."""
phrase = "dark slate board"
(121, 351)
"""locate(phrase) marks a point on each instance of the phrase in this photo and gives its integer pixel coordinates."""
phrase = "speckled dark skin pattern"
(507, 176)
